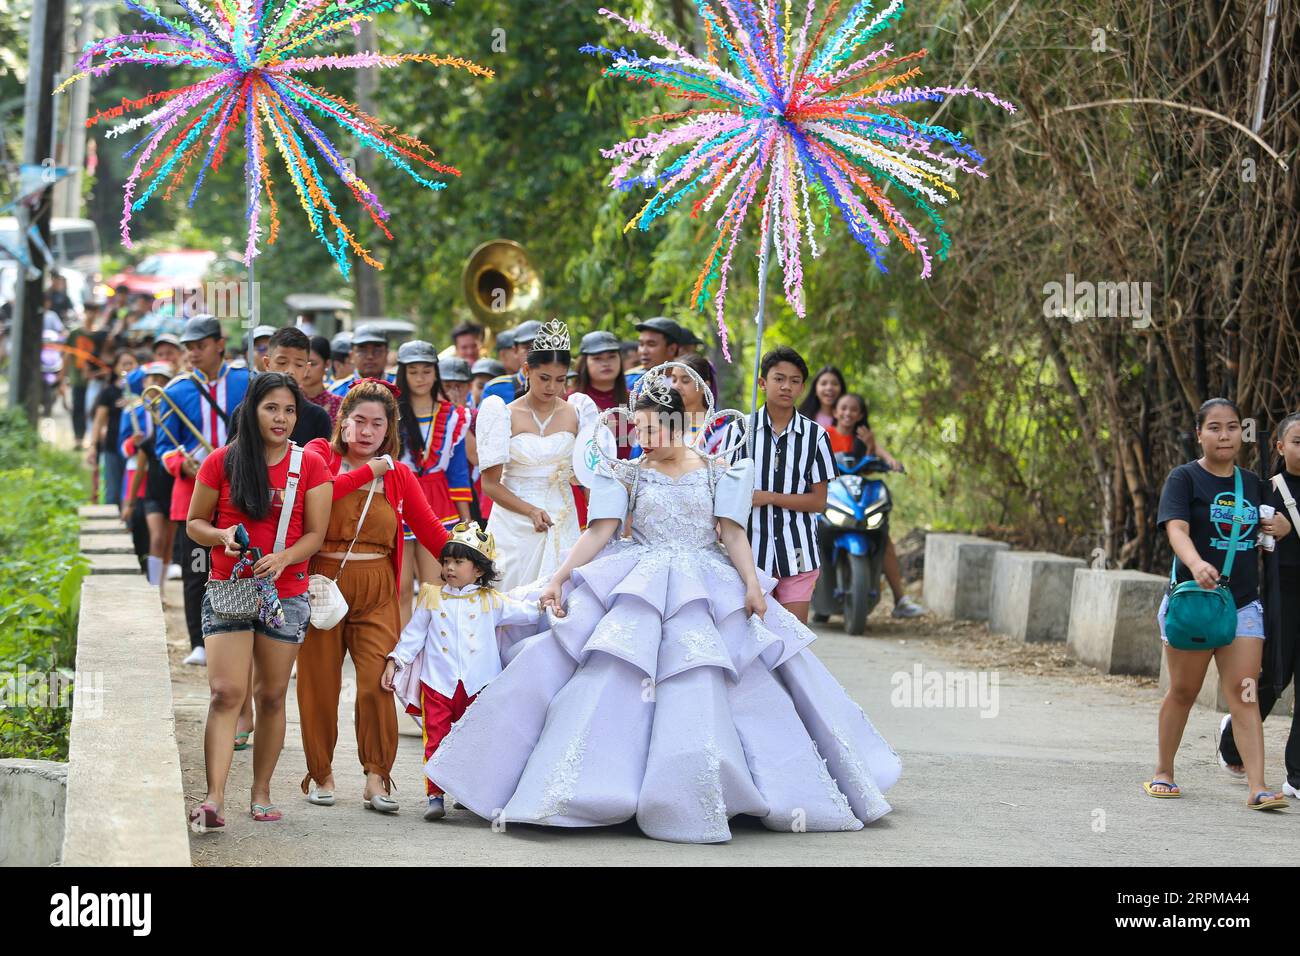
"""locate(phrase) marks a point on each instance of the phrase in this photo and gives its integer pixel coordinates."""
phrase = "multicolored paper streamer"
(252, 48)
(809, 109)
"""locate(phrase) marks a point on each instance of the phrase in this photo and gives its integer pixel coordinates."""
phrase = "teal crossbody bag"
(1200, 619)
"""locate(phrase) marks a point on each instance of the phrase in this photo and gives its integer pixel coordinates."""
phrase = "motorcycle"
(852, 534)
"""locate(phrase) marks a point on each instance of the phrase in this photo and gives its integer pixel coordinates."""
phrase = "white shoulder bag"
(328, 605)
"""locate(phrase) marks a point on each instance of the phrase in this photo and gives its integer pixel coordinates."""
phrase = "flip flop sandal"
(241, 740)
(1236, 771)
(265, 813)
(207, 812)
(1267, 800)
(1170, 794)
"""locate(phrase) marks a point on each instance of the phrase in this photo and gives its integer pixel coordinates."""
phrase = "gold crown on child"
(553, 336)
(475, 538)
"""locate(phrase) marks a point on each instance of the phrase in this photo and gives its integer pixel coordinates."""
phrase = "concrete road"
(1052, 775)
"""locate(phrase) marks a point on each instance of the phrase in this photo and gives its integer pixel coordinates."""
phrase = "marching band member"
(659, 340)
(432, 431)
(340, 363)
(196, 414)
(513, 384)
(369, 359)
(150, 485)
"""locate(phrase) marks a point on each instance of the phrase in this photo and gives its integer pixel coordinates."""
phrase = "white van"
(74, 242)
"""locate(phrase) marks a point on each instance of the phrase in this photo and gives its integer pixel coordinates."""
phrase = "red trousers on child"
(439, 713)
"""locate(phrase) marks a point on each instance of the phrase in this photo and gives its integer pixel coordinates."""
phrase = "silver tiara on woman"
(657, 385)
(553, 336)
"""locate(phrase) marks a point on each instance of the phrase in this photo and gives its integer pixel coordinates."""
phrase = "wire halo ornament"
(657, 384)
(251, 49)
(776, 93)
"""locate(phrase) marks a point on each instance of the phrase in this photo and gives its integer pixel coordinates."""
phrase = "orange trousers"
(368, 633)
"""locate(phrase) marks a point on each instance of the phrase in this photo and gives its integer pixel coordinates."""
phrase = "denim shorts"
(297, 614)
(1250, 620)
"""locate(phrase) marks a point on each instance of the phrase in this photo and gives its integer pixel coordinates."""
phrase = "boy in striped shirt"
(792, 466)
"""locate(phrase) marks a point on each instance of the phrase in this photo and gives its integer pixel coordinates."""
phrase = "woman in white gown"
(668, 688)
(525, 452)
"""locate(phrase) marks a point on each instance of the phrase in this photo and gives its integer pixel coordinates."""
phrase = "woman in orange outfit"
(372, 498)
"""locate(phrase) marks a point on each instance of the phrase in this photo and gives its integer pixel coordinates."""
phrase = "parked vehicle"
(851, 534)
(164, 272)
(73, 242)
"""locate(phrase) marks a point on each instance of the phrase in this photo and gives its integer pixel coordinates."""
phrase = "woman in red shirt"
(245, 483)
(370, 527)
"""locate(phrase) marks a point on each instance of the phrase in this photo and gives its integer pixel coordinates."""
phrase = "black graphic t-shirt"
(1205, 502)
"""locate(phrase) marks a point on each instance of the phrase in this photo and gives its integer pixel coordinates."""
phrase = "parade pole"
(764, 261)
(252, 292)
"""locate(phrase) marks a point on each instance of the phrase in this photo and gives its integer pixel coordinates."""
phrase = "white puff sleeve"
(492, 431)
(606, 498)
(733, 494)
(585, 407)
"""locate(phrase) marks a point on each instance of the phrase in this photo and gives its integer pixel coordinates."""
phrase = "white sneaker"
(198, 656)
(1290, 791)
(906, 607)
(173, 572)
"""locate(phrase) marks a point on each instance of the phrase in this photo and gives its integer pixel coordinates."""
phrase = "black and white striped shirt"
(784, 541)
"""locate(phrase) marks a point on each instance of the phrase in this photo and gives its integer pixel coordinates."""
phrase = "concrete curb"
(33, 794)
(125, 799)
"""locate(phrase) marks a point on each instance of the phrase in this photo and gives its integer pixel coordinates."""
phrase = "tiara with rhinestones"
(657, 385)
(729, 422)
(553, 336)
(471, 536)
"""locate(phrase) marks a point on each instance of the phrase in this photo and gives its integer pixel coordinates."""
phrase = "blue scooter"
(851, 534)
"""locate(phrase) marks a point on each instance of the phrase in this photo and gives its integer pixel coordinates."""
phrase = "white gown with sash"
(537, 469)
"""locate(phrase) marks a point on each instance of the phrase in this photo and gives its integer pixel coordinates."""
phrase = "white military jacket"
(452, 636)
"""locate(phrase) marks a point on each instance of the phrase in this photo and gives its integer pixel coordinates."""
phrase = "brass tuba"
(500, 283)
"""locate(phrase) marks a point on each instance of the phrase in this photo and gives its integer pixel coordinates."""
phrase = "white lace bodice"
(674, 513)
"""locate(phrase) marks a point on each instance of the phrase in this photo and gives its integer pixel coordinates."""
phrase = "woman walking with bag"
(1282, 649)
(1209, 508)
(279, 496)
(362, 553)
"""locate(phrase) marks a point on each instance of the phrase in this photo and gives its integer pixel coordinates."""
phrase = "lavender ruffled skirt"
(657, 698)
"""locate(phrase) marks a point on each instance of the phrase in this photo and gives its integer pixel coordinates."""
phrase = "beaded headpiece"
(657, 384)
(553, 336)
(475, 538)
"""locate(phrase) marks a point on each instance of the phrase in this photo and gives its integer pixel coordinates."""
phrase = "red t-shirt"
(261, 534)
(839, 442)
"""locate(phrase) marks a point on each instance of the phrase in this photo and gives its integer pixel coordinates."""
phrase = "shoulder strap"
(203, 393)
(360, 521)
(1283, 489)
(290, 494)
(1236, 524)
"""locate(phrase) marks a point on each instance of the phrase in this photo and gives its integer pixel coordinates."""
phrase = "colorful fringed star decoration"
(252, 55)
(787, 97)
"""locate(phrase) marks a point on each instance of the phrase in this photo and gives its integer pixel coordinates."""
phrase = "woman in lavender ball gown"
(668, 688)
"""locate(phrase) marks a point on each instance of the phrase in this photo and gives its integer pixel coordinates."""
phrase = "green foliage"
(40, 583)
(962, 395)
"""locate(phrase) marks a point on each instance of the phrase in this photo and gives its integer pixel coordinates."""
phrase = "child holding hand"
(449, 651)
